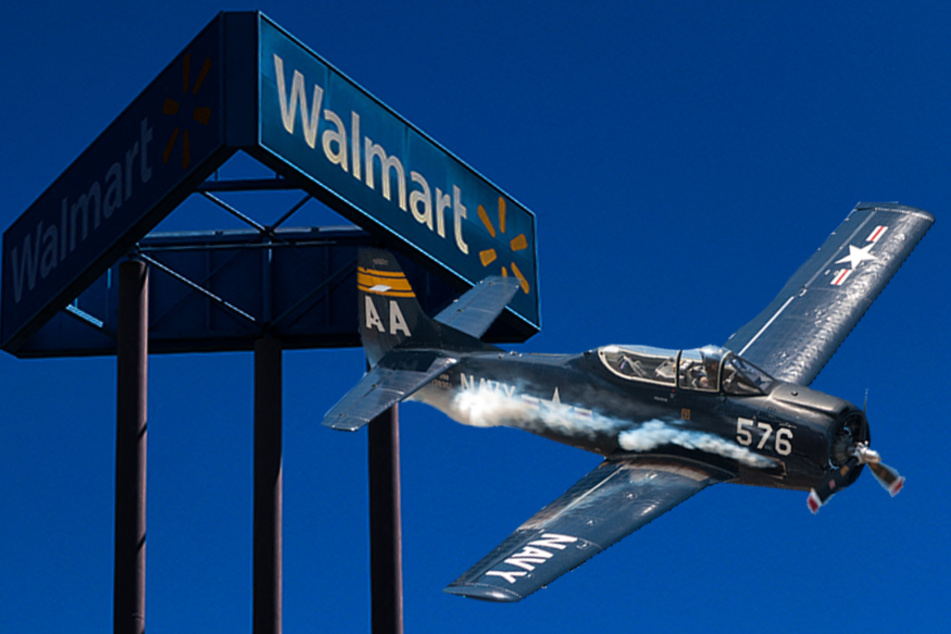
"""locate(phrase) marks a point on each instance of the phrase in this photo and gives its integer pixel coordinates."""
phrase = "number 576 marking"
(782, 439)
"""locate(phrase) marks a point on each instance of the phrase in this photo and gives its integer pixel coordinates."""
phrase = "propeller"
(890, 479)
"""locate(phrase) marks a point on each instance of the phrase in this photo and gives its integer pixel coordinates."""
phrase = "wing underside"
(802, 327)
(610, 502)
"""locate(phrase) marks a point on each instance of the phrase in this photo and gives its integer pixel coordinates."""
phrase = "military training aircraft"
(668, 422)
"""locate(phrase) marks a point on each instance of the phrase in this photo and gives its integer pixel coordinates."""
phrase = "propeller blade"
(890, 479)
(820, 495)
(814, 501)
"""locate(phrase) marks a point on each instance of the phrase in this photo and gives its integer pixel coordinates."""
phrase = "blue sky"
(682, 159)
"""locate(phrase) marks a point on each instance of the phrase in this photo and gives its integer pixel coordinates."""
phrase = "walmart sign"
(381, 167)
(139, 169)
(245, 84)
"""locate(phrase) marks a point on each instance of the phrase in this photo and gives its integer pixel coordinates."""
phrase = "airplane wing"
(609, 503)
(398, 375)
(802, 327)
(478, 308)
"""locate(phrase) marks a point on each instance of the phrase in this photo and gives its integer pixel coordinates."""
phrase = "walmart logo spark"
(200, 114)
(518, 243)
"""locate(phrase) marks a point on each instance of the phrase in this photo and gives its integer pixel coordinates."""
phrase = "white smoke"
(485, 408)
(656, 433)
(492, 408)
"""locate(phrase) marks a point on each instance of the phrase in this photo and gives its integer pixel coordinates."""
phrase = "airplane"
(668, 423)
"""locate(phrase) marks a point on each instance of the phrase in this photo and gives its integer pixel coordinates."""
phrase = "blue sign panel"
(244, 84)
(385, 175)
(138, 169)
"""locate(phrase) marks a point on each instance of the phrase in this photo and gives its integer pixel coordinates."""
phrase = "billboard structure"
(244, 84)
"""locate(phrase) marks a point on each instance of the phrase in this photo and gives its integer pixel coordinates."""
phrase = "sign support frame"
(131, 449)
(227, 92)
(268, 493)
(386, 533)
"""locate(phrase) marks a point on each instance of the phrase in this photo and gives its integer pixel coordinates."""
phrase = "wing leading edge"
(802, 327)
(609, 503)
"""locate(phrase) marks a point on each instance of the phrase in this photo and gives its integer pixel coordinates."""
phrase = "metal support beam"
(386, 540)
(247, 185)
(131, 448)
(268, 493)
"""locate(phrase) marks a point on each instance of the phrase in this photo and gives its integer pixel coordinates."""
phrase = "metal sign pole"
(268, 492)
(131, 448)
(386, 558)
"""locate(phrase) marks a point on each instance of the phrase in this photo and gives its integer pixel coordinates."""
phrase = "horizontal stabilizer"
(609, 503)
(398, 375)
(477, 309)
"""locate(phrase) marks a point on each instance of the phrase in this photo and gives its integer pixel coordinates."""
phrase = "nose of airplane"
(859, 454)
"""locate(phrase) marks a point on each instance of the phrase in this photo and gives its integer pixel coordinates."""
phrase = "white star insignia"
(554, 405)
(856, 255)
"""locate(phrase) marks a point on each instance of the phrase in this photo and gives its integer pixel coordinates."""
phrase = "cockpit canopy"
(707, 369)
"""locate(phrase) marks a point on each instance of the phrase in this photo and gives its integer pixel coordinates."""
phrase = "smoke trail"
(490, 408)
(484, 408)
(655, 433)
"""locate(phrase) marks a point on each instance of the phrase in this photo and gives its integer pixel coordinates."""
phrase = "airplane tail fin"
(406, 348)
(388, 309)
(391, 317)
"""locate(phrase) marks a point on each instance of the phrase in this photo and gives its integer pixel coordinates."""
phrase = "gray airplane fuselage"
(786, 436)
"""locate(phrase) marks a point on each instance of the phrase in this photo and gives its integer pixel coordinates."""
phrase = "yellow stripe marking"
(388, 283)
(385, 293)
(379, 273)
(394, 284)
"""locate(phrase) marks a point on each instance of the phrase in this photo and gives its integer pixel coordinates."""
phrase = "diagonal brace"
(200, 289)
